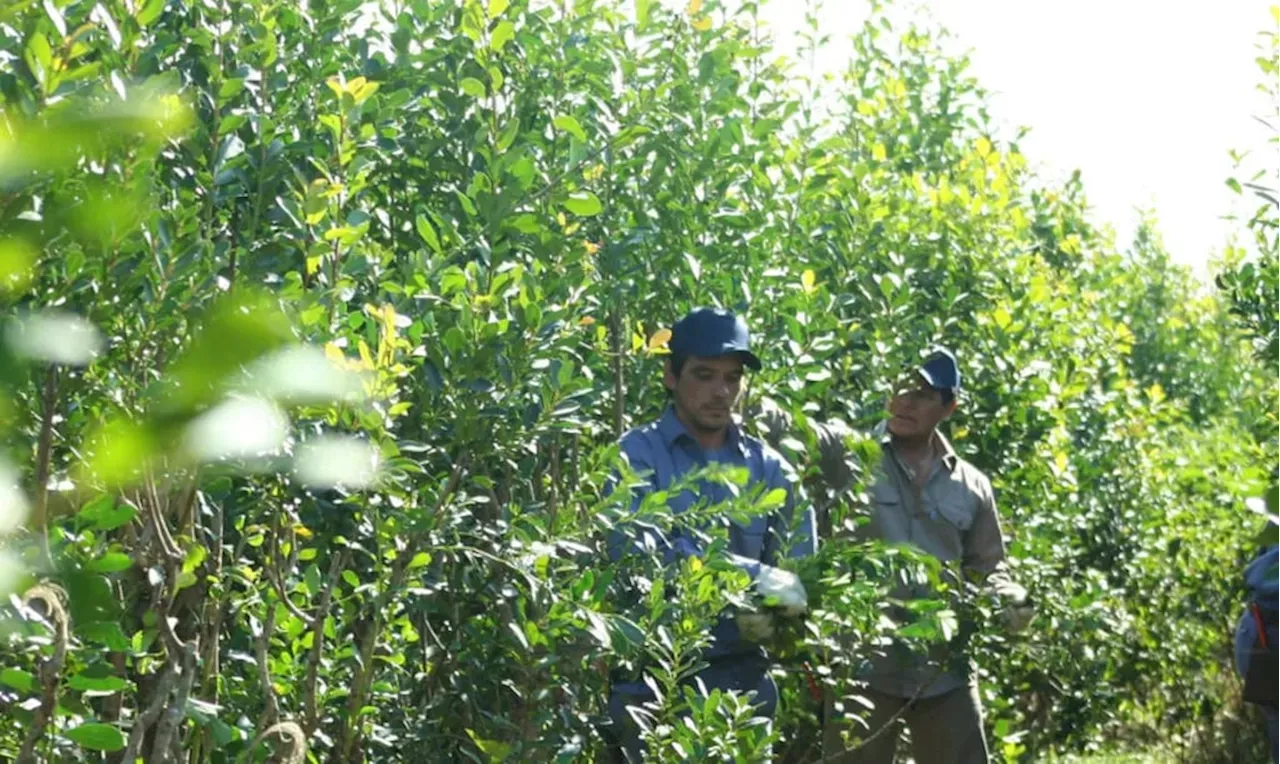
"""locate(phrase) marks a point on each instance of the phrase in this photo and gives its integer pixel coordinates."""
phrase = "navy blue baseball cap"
(711, 332)
(941, 372)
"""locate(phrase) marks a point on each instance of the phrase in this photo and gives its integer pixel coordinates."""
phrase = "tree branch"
(51, 669)
(44, 449)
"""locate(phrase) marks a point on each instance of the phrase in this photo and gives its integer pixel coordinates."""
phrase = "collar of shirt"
(673, 430)
(942, 449)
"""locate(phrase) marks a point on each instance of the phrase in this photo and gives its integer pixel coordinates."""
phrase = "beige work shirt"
(951, 516)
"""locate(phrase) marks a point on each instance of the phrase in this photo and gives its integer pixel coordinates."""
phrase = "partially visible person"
(1255, 651)
(930, 498)
(710, 351)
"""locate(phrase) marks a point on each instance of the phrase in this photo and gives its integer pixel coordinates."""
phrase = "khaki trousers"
(945, 729)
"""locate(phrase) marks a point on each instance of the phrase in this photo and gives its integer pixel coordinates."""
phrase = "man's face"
(706, 391)
(917, 409)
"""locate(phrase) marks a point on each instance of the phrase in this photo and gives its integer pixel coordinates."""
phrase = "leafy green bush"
(326, 320)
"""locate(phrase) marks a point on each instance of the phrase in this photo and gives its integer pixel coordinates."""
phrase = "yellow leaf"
(354, 86)
(591, 247)
(366, 356)
(702, 24)
(693, 7)
(695, 564)
(808, 279)
(879, 153)
(659, 339)
(303, 531)
(1002, 318)
(389, 320)
(586, 321)
(1060, 461)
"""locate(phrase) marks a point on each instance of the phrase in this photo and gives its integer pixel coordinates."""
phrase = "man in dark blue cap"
(930, 498)
(710, 349)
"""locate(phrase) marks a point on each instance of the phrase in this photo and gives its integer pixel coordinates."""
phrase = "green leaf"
(428, 233)
(195, 558)
(520, 634)
(642, 13)
(467, 205)
(239, 328)
(498, 7)
(105, 515)
(1234, 185)
(351, 578)
(509, 133)
(598, 627)
(420, 560)
(97, 684)
(583, 203)
(97, 737)
(39, 54)
(504, 33)
(106, 633)
(23, 681)
(230, 89)
(570, 125)
(473, 21)
(472, 87)
(149, 13)
(774, 499)
(495, 750)
(111, 562)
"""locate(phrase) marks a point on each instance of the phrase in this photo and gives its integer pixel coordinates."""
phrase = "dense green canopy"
(327, 318)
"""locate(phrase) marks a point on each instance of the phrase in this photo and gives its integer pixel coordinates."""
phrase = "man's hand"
(1018, 610)
(783, 590)
(1018, 616)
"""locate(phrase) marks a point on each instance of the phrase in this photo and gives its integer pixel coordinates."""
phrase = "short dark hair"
(948, 395)
(677, 361)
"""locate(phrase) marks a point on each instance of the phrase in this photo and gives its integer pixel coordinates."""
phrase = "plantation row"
(328, 320)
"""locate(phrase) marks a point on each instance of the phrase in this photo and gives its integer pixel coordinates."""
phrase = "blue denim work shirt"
(666, 451)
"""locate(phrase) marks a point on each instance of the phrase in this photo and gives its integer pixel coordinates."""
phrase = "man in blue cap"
(710, 350)
(930, 498)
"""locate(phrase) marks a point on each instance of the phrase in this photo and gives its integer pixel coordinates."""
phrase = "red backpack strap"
(1262, 626)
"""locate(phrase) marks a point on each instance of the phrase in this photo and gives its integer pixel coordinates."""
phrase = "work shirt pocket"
(889, 518)
(955, 505)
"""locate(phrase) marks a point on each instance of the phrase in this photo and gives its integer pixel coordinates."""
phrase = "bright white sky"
(1145, 97)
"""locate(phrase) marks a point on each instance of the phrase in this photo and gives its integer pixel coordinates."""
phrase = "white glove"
(783, 590)
(755, 627)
